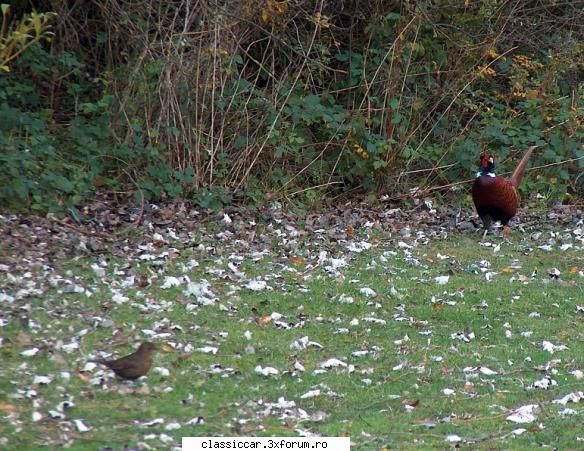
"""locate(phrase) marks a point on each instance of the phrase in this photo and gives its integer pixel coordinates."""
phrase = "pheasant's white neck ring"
(488, 174)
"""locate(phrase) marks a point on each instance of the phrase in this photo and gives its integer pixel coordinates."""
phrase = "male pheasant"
(497, 198)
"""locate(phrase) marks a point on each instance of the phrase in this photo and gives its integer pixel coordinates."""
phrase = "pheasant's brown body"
(497, 198)
(134, 365)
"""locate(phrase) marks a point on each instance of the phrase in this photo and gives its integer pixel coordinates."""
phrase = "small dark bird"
(496, 198)
(134, 365)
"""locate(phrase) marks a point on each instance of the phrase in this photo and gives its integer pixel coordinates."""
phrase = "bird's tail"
(520, 169)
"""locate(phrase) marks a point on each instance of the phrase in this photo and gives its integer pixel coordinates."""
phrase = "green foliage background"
(252, 100)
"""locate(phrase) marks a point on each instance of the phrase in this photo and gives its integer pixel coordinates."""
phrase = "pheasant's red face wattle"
(486, 160)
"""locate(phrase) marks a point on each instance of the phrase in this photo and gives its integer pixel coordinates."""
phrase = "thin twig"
(135, 182)
(313, 187)
(450, 185)
(555, 164)
(283, 105)
(98, 233)
(434, 168)
(471, 81)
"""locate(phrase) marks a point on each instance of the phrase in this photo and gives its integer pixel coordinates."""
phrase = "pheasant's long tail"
(520, 169)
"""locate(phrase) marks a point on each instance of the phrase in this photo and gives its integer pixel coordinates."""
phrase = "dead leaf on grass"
(6, 407)
(263, 320)
(297, 260)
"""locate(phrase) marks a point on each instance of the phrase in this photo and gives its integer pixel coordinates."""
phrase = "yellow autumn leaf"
(264, 16)
(166, 348)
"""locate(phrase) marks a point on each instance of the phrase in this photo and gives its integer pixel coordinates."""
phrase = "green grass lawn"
(437, 339)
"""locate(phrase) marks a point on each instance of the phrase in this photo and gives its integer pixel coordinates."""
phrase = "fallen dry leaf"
(410, 402)
(6, 407)
(297, 260)
(84, 376)
(166, 348)
(350, 231)
(263, 320)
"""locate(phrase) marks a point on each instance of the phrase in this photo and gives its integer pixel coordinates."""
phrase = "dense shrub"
(212, 101)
